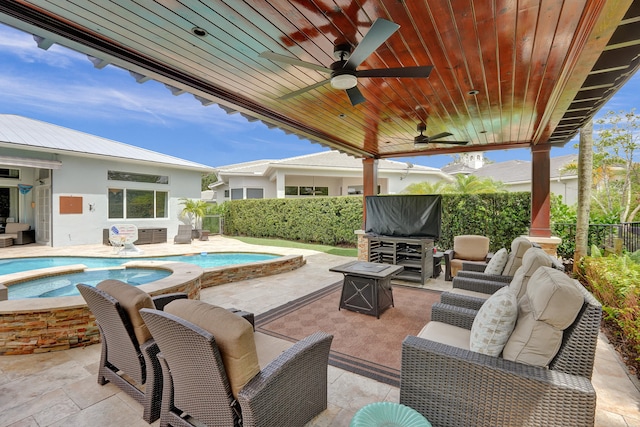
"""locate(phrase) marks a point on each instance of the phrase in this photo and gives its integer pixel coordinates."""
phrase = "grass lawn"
(333, 250)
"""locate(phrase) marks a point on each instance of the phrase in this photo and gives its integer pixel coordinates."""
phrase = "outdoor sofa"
(454, 383)
(20, 232)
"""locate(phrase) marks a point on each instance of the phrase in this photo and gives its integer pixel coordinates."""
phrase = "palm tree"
(194, 210)
(471, 184)
(425, 188)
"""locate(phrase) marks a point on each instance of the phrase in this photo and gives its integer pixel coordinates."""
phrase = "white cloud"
(23, 46)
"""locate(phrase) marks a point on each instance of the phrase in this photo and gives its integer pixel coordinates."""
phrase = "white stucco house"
(328, 173)
(71, 186)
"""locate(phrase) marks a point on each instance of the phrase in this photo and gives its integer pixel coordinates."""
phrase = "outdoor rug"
(362, 344)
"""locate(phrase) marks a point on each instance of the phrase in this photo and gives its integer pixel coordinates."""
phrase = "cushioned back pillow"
(471, 247)
(233, 335)
(131, 299)
(533, 259)
(494, 323)
(497, 262)
(550, 305)
(519, 247)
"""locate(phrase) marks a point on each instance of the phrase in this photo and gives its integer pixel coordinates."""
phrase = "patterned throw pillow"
(497, 262)
(494, 323)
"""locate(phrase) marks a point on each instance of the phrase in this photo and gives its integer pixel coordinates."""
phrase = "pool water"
(206, 260)
(65, 285)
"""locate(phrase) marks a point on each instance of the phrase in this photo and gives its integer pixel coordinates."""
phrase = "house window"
(358, 189)
(10, 173)
(137, 204)
(255, 193)
(226, 194)
(137, 177)
(290, 191)
(237, 194)
(314, 191)
(306, 191)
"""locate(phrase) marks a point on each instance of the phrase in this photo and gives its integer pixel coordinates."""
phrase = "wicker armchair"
(472, 292)
(456, 387)
(519, 246)
(289, 391)
(122, 354)
(467, 249)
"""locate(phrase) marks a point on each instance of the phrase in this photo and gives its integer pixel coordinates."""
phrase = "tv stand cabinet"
(414, 254)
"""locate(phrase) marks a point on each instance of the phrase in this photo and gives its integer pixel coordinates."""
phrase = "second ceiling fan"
(343, 72)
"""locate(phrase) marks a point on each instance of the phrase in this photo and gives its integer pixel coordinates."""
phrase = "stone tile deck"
(60, 389)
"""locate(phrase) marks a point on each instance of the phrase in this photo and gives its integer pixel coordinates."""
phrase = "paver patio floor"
(60, 388)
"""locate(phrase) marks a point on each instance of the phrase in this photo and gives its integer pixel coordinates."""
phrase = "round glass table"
(388, 414)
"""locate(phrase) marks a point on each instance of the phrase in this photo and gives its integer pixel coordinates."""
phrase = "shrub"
(614, 281)
(333, 220)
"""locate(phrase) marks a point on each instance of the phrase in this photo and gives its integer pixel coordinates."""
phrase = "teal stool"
(388, 414)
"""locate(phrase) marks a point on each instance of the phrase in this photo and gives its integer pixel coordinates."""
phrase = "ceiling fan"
(423, 139)
(344, 75)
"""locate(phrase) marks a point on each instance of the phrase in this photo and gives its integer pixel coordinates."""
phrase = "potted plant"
(193, 210)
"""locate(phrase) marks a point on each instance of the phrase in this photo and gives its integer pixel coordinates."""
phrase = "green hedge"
(332, 220)
(500, 216)
(326, 220)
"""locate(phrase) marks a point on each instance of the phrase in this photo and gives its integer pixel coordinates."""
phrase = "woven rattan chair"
(289, 391)
(472, 292)
(122, 355)
(468, 249)
(519, 246)
(457, 387)
(184, 234)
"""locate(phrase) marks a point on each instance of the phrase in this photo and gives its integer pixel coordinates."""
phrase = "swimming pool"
(65, 285)
(205, 260)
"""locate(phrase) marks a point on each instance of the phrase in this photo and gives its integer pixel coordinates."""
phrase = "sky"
(61, 86)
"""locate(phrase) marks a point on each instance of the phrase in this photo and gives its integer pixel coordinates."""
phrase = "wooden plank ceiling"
(507, 73)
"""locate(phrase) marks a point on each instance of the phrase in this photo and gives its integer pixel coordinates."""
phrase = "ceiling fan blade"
(355, 96)
(305, 89)
(415, 72)
(379, 32)
(439, 135)
(293, 61)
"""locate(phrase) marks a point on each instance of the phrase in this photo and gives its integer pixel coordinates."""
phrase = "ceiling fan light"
(344, 81)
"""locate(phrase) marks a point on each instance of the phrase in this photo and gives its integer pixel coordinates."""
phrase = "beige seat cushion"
(519, 247)
(471, 247)
(445, 333)
(14, 227)
(551, 303)
(533, 259)
(233, 335)
(494, 323)
(132, 300)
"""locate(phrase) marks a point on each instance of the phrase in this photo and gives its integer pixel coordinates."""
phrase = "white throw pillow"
(497, 262)
(494, 323)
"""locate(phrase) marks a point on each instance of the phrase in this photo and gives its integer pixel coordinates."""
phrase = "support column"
(540, 191)
(280, 180)
(540, 231)
(369, 182)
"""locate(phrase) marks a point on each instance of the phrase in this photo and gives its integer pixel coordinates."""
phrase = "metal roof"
(35, 135)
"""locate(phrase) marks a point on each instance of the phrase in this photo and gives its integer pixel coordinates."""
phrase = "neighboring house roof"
(458, 168)
(327, 160)
(517, 171)
(24, 133)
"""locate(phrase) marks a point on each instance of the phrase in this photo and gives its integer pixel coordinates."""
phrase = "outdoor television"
(404, 216)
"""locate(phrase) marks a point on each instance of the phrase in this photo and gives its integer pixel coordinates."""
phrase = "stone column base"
(363, 245)
(548, 244)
